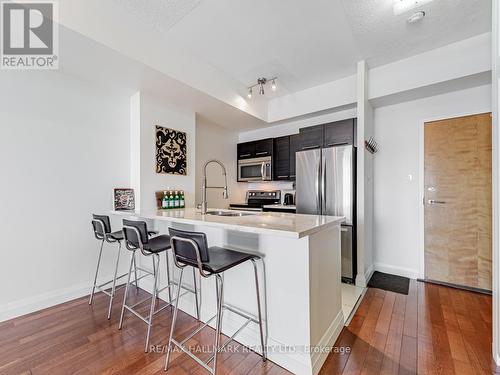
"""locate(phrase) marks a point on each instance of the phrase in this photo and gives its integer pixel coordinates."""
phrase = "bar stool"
(191, 249)
(102, 231)
(136, 238)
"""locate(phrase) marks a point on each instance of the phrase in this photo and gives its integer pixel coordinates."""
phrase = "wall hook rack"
(371, 145)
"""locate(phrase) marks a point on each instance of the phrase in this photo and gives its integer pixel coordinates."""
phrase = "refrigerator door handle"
(323, 185)
(318, 189)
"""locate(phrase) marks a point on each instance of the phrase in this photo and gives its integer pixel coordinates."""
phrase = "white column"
(364, 179)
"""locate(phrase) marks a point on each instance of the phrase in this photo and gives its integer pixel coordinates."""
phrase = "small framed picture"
(124, 199)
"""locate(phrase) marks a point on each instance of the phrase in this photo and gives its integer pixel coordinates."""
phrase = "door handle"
(245, 155)
(433, 201)
(318, 189)
(323, 185)
(262, 153)
(263, 170)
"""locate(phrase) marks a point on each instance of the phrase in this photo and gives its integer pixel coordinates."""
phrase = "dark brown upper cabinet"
(333, 134)
(294, 147)
(246, 150)
(255, 149)
(339, 133)
(264, 148)
(311, 137)
(281, 159)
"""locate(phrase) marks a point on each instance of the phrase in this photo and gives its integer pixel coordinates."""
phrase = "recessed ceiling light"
(416, 17)
(402, 6)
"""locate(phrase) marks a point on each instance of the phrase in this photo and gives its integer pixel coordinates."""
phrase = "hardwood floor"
(433, 330)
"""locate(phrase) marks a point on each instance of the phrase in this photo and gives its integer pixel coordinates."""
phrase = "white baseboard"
(394, 270)
(29, 305)
(327, 341)
(362, 279)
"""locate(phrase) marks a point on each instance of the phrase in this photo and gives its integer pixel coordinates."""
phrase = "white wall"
(215, 142)
(146, 112)
(398, 200)
(64, 145)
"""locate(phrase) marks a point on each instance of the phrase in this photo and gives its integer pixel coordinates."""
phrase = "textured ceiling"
(384, 37)
(304, 43)
(159, 14)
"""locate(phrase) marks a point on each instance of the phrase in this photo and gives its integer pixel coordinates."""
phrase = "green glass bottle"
(171, 203)
(177, 200)
(164, 202)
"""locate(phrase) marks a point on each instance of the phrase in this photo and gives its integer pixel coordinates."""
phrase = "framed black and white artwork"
(124, 199)
(171, 151)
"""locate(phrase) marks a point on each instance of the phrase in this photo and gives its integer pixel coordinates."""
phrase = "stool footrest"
(110, 281)
(197, 330)
(137, 314)
(231, 338)
(180, 345)
(199, 361)
(239, 312)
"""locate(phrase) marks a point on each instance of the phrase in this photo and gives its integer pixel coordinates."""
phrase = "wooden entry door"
(458, 242)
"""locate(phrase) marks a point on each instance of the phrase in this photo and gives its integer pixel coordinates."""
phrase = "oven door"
(255, 169)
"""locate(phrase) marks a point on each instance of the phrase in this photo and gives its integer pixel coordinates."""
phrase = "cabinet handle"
(337, 144)
(293, 175)
(262, 153)
(245, 155)
(282, 176)
(310, 147)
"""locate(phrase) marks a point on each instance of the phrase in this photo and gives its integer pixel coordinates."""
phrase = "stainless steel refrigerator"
(326, 185)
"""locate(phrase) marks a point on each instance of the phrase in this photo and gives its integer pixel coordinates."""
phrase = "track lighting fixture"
(261, 82)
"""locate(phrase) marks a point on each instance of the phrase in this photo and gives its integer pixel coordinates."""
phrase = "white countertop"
(285, 224)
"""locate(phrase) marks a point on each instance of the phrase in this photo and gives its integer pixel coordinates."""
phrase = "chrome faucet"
(204, 203)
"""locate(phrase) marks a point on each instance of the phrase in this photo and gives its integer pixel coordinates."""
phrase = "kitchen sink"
(228, 213)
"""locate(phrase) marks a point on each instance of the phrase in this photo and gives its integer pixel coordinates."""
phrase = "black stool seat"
(221, 259)
(117, 236)
(158, 244)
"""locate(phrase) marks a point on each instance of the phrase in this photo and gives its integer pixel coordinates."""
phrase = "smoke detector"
(416, 17)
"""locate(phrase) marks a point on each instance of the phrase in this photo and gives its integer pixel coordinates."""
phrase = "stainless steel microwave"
(258, 169)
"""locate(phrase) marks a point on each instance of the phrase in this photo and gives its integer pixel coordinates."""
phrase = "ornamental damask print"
(171, 151)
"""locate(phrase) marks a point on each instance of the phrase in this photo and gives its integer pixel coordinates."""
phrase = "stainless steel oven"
(258, 169)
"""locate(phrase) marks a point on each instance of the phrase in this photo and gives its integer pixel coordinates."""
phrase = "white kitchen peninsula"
(301, 254)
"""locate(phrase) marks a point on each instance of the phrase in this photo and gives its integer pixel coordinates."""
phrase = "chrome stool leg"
(218, 323)
(113, 288)
(132, 262)
(168, 277)
(196, 295)
(156, 258)
(174, 321)
(264, 349)
(135, 273)
(96, 273)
